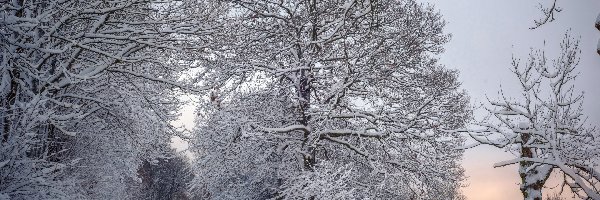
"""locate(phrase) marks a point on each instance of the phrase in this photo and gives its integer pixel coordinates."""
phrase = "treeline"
(312, 99)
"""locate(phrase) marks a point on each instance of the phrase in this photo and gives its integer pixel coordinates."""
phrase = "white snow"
(3, 163)
(524, 125)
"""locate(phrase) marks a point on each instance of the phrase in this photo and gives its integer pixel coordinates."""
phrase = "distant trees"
(165, 178)
(306, 87)
(545, 126)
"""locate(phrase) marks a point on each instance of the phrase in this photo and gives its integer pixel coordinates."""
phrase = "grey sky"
(486, 34)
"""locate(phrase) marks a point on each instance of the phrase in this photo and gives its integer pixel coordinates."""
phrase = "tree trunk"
(307, 148)
(304, 91)
(532, 179)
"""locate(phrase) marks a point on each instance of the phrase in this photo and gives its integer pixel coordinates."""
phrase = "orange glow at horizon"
(484, 182)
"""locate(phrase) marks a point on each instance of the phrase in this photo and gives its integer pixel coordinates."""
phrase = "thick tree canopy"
(313, 86)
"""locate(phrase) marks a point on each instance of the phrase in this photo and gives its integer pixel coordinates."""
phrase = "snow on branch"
(548, 14)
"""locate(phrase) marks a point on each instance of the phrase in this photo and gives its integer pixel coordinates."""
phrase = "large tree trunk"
(308, 149)
(305, 88)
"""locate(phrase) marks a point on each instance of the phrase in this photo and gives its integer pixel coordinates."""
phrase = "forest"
(293, 99)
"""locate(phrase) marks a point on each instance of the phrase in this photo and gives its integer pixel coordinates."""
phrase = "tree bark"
(532, 178)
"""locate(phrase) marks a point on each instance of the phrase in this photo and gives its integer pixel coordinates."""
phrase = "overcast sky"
(485, 36)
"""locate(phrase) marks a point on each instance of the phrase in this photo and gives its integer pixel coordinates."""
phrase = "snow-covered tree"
(234, 163)
(545, 126)
(359, 85)
(81, 79)
(230, 163)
